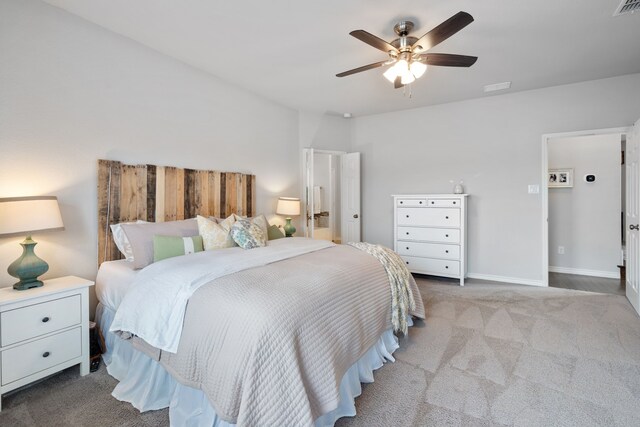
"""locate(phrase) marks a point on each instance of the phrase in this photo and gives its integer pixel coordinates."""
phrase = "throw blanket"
(269, 345)
(154, 307)
(400, 280)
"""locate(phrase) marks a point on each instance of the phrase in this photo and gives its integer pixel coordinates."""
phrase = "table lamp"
(26, 215)
(288, 206)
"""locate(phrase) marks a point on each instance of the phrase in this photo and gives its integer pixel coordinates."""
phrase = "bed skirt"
(145, 384)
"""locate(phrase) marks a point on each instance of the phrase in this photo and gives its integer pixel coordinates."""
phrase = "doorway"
(583, 210)
(331, 195)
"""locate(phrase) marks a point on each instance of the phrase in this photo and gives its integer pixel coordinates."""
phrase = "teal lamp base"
(289, 229)
(28, 267)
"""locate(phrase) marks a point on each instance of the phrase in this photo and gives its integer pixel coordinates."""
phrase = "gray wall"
(585, 219)
(494, 145)
(72, 92)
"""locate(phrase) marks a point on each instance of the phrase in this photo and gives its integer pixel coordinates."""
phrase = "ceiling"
(289, 51)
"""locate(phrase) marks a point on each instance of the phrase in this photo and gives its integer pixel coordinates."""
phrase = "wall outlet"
(561, 250)
(534, 189)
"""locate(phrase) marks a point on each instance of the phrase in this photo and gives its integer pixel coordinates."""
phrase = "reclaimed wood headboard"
(163, 193)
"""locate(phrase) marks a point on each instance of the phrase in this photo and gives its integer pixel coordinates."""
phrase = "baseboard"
(584, 272)
(505, 279)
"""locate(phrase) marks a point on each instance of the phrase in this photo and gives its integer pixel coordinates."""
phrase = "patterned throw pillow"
(248, 235)
(171, 246)
(214, 235)
(259, 220)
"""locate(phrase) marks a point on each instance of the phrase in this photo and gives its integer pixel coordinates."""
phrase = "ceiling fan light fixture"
(417, 69)
(391, 74)
(407, 78)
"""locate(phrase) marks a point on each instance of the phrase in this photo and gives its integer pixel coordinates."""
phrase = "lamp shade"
(20, 215)
(288, 206)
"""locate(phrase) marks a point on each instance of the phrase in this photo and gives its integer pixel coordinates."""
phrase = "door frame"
(303, 195)
(544, 189)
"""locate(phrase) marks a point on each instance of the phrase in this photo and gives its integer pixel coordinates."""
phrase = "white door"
(307, 154)
(632, 157)
(350, 201)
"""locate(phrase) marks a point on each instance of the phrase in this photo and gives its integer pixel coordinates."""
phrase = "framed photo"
(560, 178)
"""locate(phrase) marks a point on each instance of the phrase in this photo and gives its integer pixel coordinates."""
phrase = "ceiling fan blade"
(442, 32)
(372, 40)
(361, 69)
(448, 60)
(397, 84)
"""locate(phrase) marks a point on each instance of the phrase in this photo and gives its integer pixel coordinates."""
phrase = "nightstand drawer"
(24, 360)
(39, 319)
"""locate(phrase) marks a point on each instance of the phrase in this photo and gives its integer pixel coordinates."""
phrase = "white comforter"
(166, 286)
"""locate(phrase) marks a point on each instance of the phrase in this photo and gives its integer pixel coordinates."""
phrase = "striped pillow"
(172, 246)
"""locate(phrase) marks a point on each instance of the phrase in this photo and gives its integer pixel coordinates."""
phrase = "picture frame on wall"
(560, 178)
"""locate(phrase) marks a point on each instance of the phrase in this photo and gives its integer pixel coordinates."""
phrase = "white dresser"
(43, 330)
(430, 233)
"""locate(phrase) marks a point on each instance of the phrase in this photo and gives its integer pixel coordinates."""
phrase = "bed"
(279, 335)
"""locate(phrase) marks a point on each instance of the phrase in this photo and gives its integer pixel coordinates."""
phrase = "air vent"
(627, 6)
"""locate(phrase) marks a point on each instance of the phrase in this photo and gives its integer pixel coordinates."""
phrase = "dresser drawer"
(39, 319)
(429, 250)
(24, 360)
(436, 267)
(436, 217)
(440, 235)
(412, 202)
(443, 203)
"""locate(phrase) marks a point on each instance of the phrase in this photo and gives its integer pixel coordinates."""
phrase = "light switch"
(534, 189)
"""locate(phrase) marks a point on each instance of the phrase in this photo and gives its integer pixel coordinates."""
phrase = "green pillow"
(274, 232)
(170, 246)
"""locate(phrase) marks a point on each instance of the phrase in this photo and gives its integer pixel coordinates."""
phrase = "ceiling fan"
(406, 53)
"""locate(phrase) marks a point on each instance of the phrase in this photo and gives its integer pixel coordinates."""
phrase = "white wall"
(72, 93)
(494, 145)
(585, 219)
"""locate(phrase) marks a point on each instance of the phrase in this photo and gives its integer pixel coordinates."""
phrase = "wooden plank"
(160, 193)
(190, 193)
(141, 192)
(104, 234)
(231, 200)
(114, 209)
(238, 195)
(151, 193)
(128, 199)
(180, 194)
(170, 184)
(214, 194)
(252, 189)
(202, 193)
(242, 195)
(223, 195)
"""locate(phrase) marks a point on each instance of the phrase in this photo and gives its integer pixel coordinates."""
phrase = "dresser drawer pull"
(446, 217)
(454, 203)
(420, 201)
(407, 247)
(446, 266)
(447, 251)
(407, 216)
(401, 202)
(433, 203)
(46, 354)
(446, 235)
(407, 233)
(407, 262)
(45, 319)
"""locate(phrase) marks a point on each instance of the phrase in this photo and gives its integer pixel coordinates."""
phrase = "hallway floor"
(587, 283)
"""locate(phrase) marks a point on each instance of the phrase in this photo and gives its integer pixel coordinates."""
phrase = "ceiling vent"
(627, 6)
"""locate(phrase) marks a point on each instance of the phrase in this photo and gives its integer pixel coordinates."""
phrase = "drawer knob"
(407, 216)
(407, 247)
(454, 203)
(401, 202)
(446, 266)
(446, 235)
(45, 319)
(407, 262)
(420, 201)
(46, 354)
(432, 203)
(447, 251)
(446, 217)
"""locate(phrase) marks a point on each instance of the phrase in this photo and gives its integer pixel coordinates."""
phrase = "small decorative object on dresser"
(430, 233)
(24, 215)
(289, 206)
(43, 331)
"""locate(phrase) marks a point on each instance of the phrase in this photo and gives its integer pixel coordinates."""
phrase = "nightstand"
(43, 331)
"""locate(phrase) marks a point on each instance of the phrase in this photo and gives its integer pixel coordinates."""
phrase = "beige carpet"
(486, 355)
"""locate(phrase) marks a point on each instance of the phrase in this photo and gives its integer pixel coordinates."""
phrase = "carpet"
(487, 355)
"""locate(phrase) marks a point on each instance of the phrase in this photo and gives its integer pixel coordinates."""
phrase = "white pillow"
(140, 237)
(121, 241)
